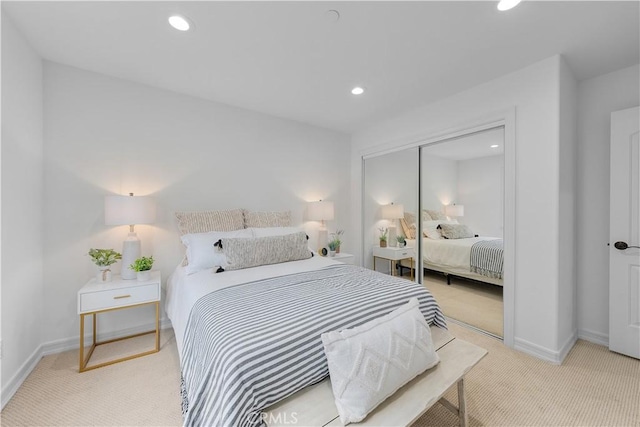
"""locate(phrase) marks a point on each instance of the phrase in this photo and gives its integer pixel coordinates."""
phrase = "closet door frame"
(506, 119)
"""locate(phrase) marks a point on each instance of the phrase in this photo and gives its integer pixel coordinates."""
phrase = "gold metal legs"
(84, 361)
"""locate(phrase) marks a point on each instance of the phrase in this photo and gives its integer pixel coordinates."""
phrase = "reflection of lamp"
(321, 211)
(454, 210)
(392, 212)
(129, 210)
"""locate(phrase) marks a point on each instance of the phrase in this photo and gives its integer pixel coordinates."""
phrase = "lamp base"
(393, 242)
(323, 238)
(130, 253)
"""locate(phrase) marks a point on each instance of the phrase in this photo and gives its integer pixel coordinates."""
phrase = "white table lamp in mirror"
(392, 213)
(129, 210)
(321, 211)
(454, 210)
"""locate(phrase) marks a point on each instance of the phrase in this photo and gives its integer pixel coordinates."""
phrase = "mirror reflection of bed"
(462, 203)
(462, 190)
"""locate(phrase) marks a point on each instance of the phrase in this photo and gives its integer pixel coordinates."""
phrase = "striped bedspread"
(248, 346)
(487, 258)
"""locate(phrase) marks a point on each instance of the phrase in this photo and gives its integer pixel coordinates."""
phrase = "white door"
(624, 226)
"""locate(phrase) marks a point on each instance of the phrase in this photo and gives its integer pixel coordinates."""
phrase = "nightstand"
(393, 255)
(95, 298)
(344, 258)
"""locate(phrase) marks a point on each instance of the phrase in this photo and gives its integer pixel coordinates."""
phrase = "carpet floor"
(593, 387)
(476, 304)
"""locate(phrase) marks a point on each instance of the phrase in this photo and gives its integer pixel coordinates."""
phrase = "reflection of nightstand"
(344, 258)
(95, 298)
(393, 255)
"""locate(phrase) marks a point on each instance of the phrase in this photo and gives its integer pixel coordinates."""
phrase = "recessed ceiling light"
(495, 146)
(507, 4)
(180, 23)
(357, 90)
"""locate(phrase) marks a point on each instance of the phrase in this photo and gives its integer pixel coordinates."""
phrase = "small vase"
(143, 275)
(338, 250)
(402, 244)
(103, 275)
(332, 253)
(383, 243)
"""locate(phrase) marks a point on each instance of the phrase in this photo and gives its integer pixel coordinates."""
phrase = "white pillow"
(370, 362)
(430, 228)
(201, 253)
(274, 231)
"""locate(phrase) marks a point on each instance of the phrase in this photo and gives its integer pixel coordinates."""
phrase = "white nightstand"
(393, 255)
(95, 298)
(344, 258)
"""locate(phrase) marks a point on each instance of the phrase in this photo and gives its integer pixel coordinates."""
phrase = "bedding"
(267, 219)
(203, 222)
(249, 338)
(245, 253)
(455, 231)
(487, 258)
(201, 254)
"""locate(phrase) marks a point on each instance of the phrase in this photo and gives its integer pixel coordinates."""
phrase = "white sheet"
(452, 253)
(184, 290)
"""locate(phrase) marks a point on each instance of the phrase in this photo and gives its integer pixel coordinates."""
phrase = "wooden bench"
(314, 406)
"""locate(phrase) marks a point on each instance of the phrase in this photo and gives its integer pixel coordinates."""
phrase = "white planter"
(332, 253)
(103, 275)
(143, 275)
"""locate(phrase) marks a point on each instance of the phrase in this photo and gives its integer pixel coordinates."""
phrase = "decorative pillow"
(203, 222)
(409, 232)
(455, 231)
(267, 219)
(246, 253)
(426, 216)
(430, 228)
(275, 231)
(370, 362)
(435, 215)
(201, 254)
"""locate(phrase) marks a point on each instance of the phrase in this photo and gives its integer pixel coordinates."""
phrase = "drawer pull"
(122, 296)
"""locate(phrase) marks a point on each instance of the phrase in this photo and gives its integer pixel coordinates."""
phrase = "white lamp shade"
(454, 210)
(392, 211)
(129, 210)
(320, 211)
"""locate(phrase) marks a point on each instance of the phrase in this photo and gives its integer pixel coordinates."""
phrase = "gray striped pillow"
(267, 219)
(206, 221)
(246, 253)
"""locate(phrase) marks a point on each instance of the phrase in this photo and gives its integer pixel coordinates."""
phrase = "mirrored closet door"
(462, 195)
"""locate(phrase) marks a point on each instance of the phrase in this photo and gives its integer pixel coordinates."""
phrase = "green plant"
(400, 239)
(104, 257)
(383, 234)
(335, 239)
(142, 264)
(333, 245)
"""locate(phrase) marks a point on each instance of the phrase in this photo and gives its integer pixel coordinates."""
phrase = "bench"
(314, 406)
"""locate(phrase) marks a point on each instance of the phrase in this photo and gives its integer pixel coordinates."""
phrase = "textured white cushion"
(267, 219)
(201, 253)
(274, 231)
(205, 221)
(372, 361)
(247, 253)
(430, 228)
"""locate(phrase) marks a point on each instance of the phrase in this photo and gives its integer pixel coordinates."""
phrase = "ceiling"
(289, 59)
(468, 147)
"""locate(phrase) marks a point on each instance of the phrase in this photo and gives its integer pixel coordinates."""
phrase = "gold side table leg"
(158, 326)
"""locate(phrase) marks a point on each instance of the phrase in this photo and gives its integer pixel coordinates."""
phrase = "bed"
(250, 338)
(477, 258)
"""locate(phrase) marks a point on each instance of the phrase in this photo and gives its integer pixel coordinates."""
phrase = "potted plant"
(383, 237)
(332, 248)
(335, 239)
(103, 258)
(142, 267)
(401, 241)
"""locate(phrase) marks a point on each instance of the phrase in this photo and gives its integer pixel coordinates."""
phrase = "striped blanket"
(249, 346)
(487, 258)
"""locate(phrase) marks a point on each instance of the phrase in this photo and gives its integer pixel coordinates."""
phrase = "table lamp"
(129, 210)
(392, 212)
(321, 211)
(454, 210)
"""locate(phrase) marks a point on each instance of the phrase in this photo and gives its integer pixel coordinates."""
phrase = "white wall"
(567, 316)
(534, 93)
(22, 206)
(481, 192)
(597, 99)
(439, 181)
(104, 135)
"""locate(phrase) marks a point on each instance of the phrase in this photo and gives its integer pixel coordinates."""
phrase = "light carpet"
(593, 387)
(476, 304)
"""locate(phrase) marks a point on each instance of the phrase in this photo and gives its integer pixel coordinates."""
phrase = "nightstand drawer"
(112, 298)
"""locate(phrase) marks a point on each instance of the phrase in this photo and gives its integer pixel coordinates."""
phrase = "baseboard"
(552, 356)
(16, 381)
(594, 337)
(65, 344)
